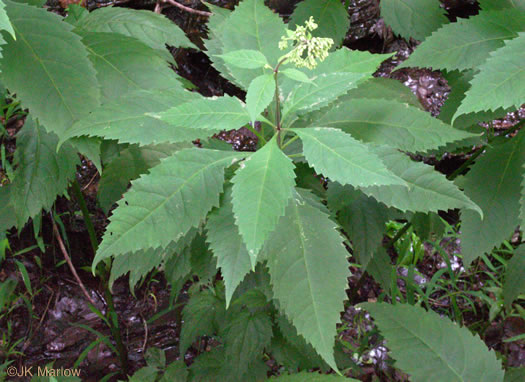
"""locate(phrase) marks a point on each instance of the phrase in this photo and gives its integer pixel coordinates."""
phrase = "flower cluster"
(302, 41)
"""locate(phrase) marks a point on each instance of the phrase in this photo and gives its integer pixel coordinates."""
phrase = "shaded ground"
(47, 326)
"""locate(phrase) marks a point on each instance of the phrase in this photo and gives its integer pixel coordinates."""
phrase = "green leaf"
(200, 318)
(488, 5)
(380, 269)
(127, 119)
(305, 376)
(129, 165)
(467, 43)
(251, 26)
(514, 280)
(330, 15)
(295, 75)
(309, 272)
(214, 114)
(260, 94)
(383, 88)
(362, 218)
(227, 246)
(432, 348)
(245, 59)
(413, 18)
(499, 83)
(428, 190)
(155, 211)
(501, 168)
(246, 336)
(324, 89)
(343, 159)
(514, 374)
(41, 172)
(262, 188)
(125, 64)
(58, 85)
(154, 30)
(175, 372)
(7, 212)
(390, 123)
(5, 24)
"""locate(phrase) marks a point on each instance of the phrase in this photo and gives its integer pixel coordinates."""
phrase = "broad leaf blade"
(428, 190)
(127, 166)
(499, 83)
(331, 17)
(390, 123)
(214, 114)
(309, 271)
(324, 89)
(343, 159)
(58, 85)
(262, 188)
(413, 18)
(501, 168)
(467, 43)
(431, 348)
(5, 24)
(260, 94)
(152, 29)
(304, 376)
(127, 119)
(252, 26)
(125, 64)
(155, 211)
(227, 246)
(245, 59)
(42, 172)
(7, 212)
(514, 280)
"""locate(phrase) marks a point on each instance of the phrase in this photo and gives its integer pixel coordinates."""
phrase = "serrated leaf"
(214, 114)
(305, 376)
(251, 26)
(175, 372)
(323, 89)
(227, 246)
(262, 188)
(125, 64)
(383, 88)
(128, 165)
(514, 280)
(432, 348)
(199, 317)
(331, 17)
(295, 75)
(246, 336)
(42, 173)
(413, 18)
(245, 59)
(380, 268)
(48, 80)
(362, 218)
(499, 83)
(467, 43)
(5, 24)
(154, 30)
(260, 93)
(343, 159)
(309, 271)
(501, 168)
(428, 190)
(127, 119)
(487, 5)
(390, 123)
(155, 210)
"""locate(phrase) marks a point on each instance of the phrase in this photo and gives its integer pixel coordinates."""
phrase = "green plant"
(331, 162)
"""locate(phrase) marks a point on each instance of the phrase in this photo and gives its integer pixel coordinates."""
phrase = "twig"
(187, 9)
(70, 264)
(145, 323)
(90, 181)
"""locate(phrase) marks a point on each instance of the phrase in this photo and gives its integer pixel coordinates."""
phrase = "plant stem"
(400, 233)
(278, 101)
(464, 166)
(85, 213)
(290, 141)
